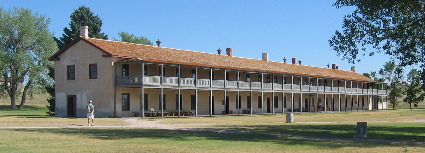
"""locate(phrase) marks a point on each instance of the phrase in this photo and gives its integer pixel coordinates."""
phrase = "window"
(93, 71)
(125, 101)
(227, 76)
(275, 79)
(248, 98)
(284, 80)
(70, 72)
(164, 104)
(268, 79)
(146, 70)
(259, 77)
(177, 73)
(193, 73)
(146, 102)
(260, 102)
(125, 70)
(248, 78)
(276, 103)
(177, 102)
(192, 102)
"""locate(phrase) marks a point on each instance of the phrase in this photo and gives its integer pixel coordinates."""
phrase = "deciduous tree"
(413, 91)
(126, 37)
(25, 46)
(393, 74)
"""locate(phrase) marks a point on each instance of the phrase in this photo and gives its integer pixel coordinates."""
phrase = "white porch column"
(292, 102)
(196, 102)
(273, 101)
(142, 92)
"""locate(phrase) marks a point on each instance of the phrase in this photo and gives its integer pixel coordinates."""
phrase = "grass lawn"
(388, 131)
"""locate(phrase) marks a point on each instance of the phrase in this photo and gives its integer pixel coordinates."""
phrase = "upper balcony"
(222, 79)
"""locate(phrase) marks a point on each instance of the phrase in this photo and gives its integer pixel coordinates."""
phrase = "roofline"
(55, 56)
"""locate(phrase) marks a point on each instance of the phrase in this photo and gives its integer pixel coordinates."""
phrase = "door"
(71, 106)
(268, 105)
(227, 105)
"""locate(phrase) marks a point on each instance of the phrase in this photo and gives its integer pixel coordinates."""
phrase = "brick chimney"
(229, 51)
(294, 60)
(84, 31)
(353, 68)
(299, 62)
(334, 66)
(284, 59)
(158, 43)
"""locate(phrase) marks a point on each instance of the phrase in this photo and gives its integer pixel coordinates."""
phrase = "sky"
(282, 28)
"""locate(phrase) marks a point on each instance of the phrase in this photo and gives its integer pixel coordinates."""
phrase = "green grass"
(312, 132)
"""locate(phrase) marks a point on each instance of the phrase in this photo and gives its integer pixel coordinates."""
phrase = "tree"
(413, 89)
(51, 90)
(395, 28)
(126, 37)
(25, 46)
(81, 17)
(393, 74)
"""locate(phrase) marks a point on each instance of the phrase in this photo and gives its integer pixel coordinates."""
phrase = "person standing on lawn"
(90, 113)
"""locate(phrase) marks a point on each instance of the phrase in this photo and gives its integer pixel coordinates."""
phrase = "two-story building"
(124, 79)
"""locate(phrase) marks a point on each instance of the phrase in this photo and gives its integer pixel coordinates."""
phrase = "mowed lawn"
(389, 131)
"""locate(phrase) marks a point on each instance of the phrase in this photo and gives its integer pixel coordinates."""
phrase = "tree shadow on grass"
(389, 133)
(255, 134)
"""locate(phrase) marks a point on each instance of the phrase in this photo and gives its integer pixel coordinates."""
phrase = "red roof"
(193, 58)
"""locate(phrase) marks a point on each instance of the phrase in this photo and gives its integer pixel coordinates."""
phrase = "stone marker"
(361, 130)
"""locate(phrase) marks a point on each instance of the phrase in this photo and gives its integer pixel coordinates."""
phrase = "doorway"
(268, 105)
(71, 106)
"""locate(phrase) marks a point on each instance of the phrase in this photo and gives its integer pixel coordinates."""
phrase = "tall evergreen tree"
(81, 17)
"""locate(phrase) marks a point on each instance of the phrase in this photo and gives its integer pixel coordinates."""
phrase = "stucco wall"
(100, 90)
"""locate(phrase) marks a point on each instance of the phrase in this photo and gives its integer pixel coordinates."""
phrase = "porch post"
(162, 101)
(262, 100)
(162, 90)
(237, 103)
(292, 101)
(273, 101)
(225, 100)
(262, 93)
(283, 101)
(332, 102)
(180, 97)
(142, 92)
(196, 102)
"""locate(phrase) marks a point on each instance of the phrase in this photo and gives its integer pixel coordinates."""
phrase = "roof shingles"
(194, 58)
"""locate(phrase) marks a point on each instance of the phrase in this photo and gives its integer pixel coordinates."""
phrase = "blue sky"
(282, 28)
